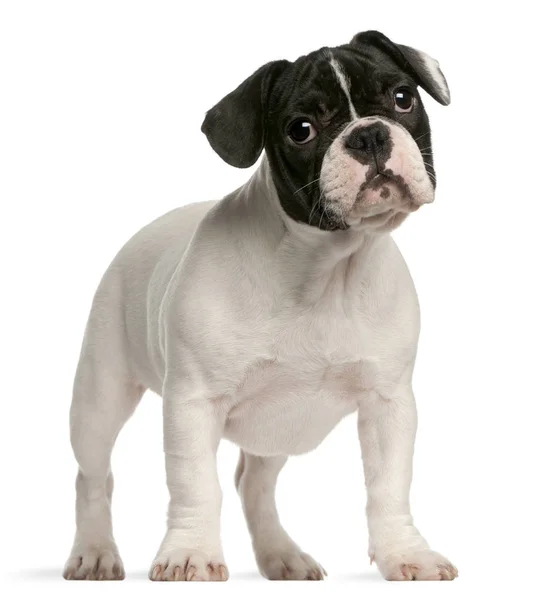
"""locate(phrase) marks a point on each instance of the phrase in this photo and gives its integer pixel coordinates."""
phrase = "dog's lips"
(381, 212)
(379, 218)
(380, 215)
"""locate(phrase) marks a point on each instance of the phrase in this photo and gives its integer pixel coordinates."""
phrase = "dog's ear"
(422, 67)
(236, 126)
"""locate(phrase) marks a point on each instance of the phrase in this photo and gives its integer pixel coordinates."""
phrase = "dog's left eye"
(404, 100)
(302, 131)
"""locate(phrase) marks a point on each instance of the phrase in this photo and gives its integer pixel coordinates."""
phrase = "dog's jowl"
(268, 316)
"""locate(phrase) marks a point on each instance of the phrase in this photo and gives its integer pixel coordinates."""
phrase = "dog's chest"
(288, 402)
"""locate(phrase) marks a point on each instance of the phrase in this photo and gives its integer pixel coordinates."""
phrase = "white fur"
(264, 331)
(433, 67)
(344, 83)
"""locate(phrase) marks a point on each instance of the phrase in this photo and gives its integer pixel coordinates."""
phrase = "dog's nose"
(369, 139)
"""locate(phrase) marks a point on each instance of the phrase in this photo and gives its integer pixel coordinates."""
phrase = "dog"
(267, 317)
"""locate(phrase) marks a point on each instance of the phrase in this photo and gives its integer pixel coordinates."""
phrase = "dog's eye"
(404, 100)
(302, 131)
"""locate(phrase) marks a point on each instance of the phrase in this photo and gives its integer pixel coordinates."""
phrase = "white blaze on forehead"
(344, 83)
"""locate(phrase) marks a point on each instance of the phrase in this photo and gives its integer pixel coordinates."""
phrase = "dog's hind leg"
(105, 396)
(277, 555)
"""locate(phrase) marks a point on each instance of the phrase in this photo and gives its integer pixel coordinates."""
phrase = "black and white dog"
(267, 317)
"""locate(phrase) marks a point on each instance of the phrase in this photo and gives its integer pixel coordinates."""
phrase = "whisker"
(421, 136)
(313, 210)
(315, 207)
(320, 222)
(324, 211)
(304, 186)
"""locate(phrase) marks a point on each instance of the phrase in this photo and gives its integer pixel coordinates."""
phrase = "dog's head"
(344, 130)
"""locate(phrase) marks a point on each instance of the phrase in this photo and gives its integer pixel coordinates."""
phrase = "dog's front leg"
(191, 549)
(387, 428)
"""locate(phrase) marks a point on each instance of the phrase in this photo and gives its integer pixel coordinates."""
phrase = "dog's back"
(133, 287)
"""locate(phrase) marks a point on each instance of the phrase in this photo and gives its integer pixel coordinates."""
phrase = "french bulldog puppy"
(268, 316)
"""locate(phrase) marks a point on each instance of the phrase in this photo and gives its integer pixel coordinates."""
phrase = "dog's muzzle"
(374, 167)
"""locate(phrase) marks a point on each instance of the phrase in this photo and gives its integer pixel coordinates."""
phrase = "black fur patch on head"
(260, 112)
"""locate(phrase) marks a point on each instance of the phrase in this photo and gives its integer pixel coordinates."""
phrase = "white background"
(100, 111)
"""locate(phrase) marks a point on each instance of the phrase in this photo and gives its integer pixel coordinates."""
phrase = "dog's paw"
(187, 565)
(94, 564)
(419, 565)
(290, 565)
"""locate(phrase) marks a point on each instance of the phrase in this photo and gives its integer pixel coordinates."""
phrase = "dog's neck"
(309, 263)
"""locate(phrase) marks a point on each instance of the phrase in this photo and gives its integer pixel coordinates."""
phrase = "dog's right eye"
(302, 131)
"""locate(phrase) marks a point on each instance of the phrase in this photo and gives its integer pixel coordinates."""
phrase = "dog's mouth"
(383, 203)
(360, 196)
(384, 220)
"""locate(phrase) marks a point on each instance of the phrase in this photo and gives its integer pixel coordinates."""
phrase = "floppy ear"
(236, 126)
(422, 67)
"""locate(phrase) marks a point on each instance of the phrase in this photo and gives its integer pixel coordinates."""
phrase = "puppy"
(268, 316)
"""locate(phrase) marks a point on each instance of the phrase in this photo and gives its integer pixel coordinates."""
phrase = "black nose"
(370, 139)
